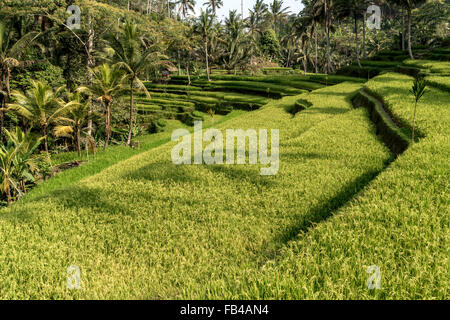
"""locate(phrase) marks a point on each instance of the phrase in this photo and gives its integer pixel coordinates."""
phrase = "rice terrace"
(226, 150)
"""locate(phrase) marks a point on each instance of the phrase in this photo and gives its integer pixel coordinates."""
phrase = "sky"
(294, 6)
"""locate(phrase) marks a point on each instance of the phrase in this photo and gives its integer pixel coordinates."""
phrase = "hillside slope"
(145, 228)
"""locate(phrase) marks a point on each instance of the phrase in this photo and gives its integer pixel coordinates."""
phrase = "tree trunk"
(357, 42)
(78, 140)
(288, 63)
(409, 35)
(179, 63)
(44, 133)
(108, 123)
(305, 65)
(188, 68)
(8, 195)
(364, 35)
(305, 59)
(2, 115)
(403, 28)
(130, 129)
(317, 45)
(8, 77)
(327, 31)
(207, 60)
(90, 65)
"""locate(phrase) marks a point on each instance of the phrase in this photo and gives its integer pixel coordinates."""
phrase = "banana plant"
(17, 162)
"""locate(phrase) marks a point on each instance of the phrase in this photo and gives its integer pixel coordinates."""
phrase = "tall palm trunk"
(130, 129)
(207, 60)
(188, 68)
(2, 116)
(403, 28)
(2, 106)
(327, 31)
(179, 62)
(44, 133)
(8, 195)
(90, 65)
(357, 42)
(288, 62)
(78, 129)
(8, 77)
(316, 49)
(108, 123)
(364, 35)
(409, 35)
(305, 62)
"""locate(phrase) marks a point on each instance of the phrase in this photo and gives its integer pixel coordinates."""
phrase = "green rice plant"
(439, 82)
(205, 231)
(399, 222)
(140, 227)
(435, 67)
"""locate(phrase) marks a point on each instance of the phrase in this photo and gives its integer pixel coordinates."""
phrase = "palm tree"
(309, 19)
(354, 9)
(299, 32)
(127, 53)
(107, 83)
(186, 6)
(214, 5)
(277, 13)
(204, 27)
(235, 52)
(409, 5)
(259, 14)
(323, 12)
(75, 119)
(41, 106)
(10, 53)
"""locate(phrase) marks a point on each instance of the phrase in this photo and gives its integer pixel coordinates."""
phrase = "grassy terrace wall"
(147, 229)
(400, 222)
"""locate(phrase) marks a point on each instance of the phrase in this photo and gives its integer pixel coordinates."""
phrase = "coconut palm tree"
(312, 15)
(75, 119)
(41, 106)
(259, 14)
(277, 13)
(10, 57)
(204, 27)
(214, 5)
(236, 51)
(354, 9)
(125, 49)
(409, 5)
(323, 11)
(107, 83)
(10, 53)
(186, 6)
(299, 33)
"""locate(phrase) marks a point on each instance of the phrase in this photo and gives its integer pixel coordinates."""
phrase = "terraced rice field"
(140, 227)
